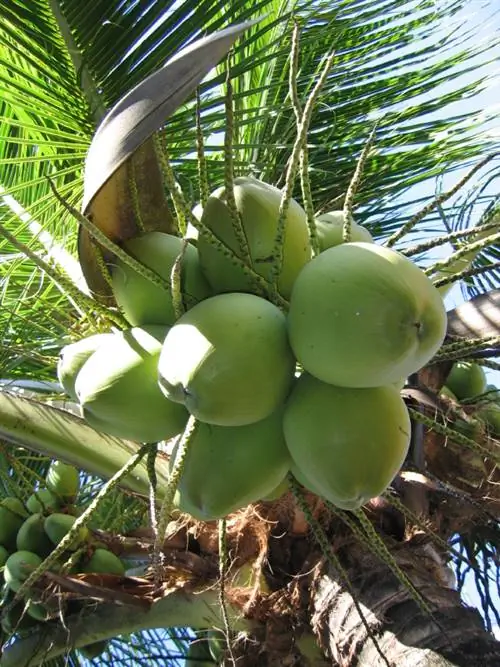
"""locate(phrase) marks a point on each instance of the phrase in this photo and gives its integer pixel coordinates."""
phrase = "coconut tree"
(344, 105)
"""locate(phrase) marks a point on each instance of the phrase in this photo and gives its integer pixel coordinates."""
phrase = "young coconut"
(228, 468)
(142, 301)
(466, 380)
(32, 536)
(118, 388)
(57, 526)
(105, 562)
(12, 516)
(349, 443)
(364, 316)
(63, 480)
(18, 568)
(258, 205)
(43, 501)
(490, 413)
(4, 554)
(228, 360)
(330, 227)
(72, 357)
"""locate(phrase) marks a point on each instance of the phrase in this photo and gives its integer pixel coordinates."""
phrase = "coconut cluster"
(29, 532)
(290, 360)
(466, 384)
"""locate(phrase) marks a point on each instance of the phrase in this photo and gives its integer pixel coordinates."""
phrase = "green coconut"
(4, 554)
(12, 516)
(258, 205)
(38, 611)
(57, 526)
(19, 566)
(44, 501)
(490, 413)
(364, 316)
(466, 380)
(105, 562)
(228, 468)
(330, 228)
(142, 301)
(63, 480)
(348, 443)
(72, 358)
(32, 536)
(118, 388)
(228, 360)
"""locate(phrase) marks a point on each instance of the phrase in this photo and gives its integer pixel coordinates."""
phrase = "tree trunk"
(405, 634)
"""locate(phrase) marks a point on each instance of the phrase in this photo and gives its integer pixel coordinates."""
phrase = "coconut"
(228, 360)
(364, 316)
(32, 536)
(466, 380)
(330, 228)
(72, 358)
(104, 561)
(12, 516)
(144, 302)
(346, 444)
(43, 501)
(227, 468)
(63, 480)
(57, 526)
(258, 206)
(19, 566)
(118, 388)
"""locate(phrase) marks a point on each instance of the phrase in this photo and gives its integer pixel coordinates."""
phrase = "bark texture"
(406, 635)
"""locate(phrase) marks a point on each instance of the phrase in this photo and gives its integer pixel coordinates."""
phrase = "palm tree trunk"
(405, 634)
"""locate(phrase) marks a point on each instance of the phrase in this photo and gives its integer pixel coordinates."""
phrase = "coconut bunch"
(467, 384)
(289, 360)
(29, 532)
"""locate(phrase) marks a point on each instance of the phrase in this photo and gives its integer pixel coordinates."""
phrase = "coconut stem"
(458, 437)
(437, 201)
(305, 183)
(153, 518)
(132, 184)
(354, 185)
(200, 153)
(464, 348)
(446, 238)
(291, 174)
(82, 301)
(161, 151)
(468, 273)
(173, 481)
(475, 247)
(239, 230)
(176, 281)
